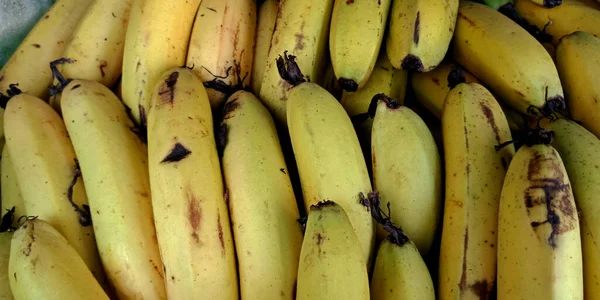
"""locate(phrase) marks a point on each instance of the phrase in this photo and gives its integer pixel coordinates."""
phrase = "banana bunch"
(267, 15)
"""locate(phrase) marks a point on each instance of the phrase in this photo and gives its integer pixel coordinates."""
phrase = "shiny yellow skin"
(331, 262)
(11, 194)
(267, 15)
(472, 124)
(223, 36)
(429, 41)
(262, 204)
(188, 194)
(330, 162)
(309, 20)
(157, 39)
(578, 63)
(43, 265)
(355, 35)
(407, 173)
(5, 292)
(114, 163)
(505, 57)
(44, 162)
(543, 261)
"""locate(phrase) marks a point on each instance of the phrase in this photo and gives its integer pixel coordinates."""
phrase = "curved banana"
(222, 45)
(114, 163)
(11, 194)
(420, 32)
(267, 15)
(331, 260)
(187, 191)
(5, 292)
(472, 124)
(578, 63)
(48, 175)
(355, 36)
(156, 40)
(507, 59)
(539, 244)
(44, 265)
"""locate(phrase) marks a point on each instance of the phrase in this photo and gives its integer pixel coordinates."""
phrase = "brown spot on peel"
(230, 107)
(166, 91)
(178, 153)
(349, 2)
(76, 87)
(489, 115)
(102, 65)
(220, 228)
(194, 215)
(417, 28)
(482, 289)
(471, 22)
(319, 237)
(463, 275)
(37, 45)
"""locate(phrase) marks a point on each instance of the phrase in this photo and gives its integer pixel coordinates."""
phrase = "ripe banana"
(409, 177)
(420, 32)
(578, 63)
(11, 194)
(5, 292)
(547, 3)
(329, 158)
(267, 15)
(570, 16)
(47, 172)
(222, 45)
(472, 124)
(507, 59)
(114, 162)
(301, 29)
(44, 265)
(355, 36)
(331, 262)
(539, 245)
(187, 191)
(157, 39)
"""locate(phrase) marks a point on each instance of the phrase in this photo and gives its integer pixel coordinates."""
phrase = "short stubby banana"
(262, 204)
(329, 158)
(267, 15)
(156, 40)
(222, 45)
(578, 63)
(420, 32)
(9, 187)
(301, 29)
(508, 59)
(355, 36)
(44, 265)
(472, 124)
(539, 243)
(113, 160)
(187, 191)
(331, 261)
(5, 292)
(46, 167)
(570, 16)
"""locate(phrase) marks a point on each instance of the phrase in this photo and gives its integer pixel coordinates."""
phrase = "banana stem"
(289, 70)
(373, 204)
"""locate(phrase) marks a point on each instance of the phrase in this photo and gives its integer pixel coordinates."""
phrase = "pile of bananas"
(303, 149)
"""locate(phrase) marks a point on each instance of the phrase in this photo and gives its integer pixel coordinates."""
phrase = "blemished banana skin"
(267, 15)
(5, 238)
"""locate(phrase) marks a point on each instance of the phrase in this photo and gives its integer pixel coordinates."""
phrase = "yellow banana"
(261, 201)
(5, 292)
(267, 15)
(472, 124)
(508, 59)
(355, 37)
(222, 45)
(187, 191)
(48, 175)
(11, 194)
(44, 265)
(157, 39)
(420, 32)
(301, 29)
(331, 260)
(578, 63)
(539, 244)
(114, 163)
(547, 3)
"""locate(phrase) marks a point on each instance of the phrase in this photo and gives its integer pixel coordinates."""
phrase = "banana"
(539, 244)
(47, 174)
(114, 163)
(222, 45)
(11, 194)
(301, 29)
(355, 36)
(261, 201)
(267, 15)
(508, 59)
(409, 177)
(46, 42)
(329, 158)
(5, 292)
(570, 16)
(187, 191)
(44, 265)
(420, 32)
(472, 124)
(578, 63)
(156, 40)
(331, 260)
(547, 3)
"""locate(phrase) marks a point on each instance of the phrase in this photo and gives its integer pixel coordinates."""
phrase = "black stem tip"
(456, 77)
(289, 69)
(373, 204)
(349, 85)
(391, 103)
(12, 91)
(321, 204)
(58, 76)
